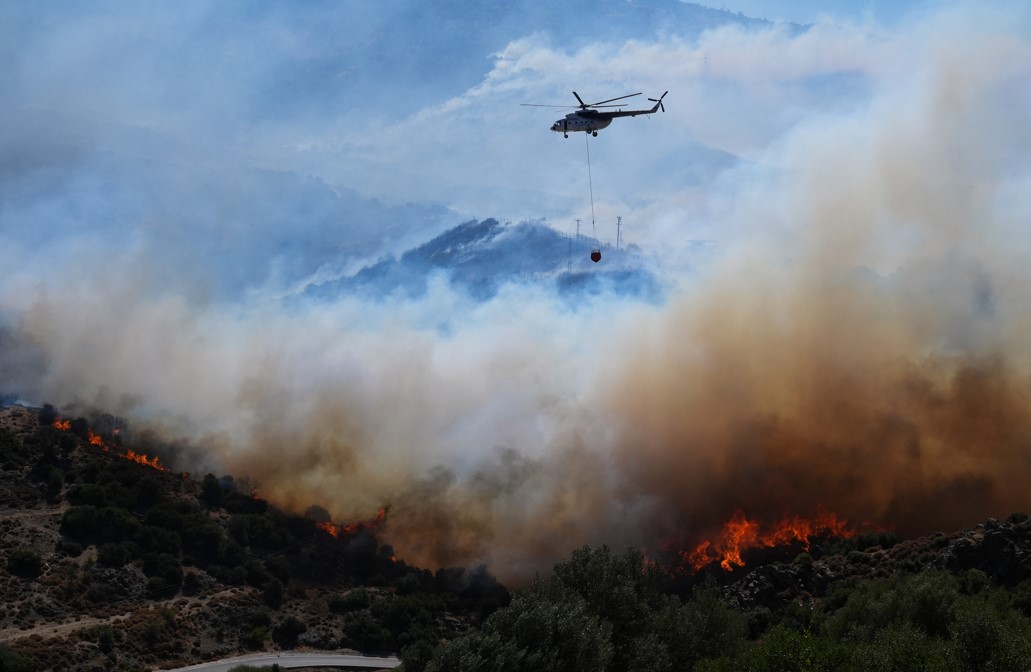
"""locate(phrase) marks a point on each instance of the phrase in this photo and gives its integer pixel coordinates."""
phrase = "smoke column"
(859, 343)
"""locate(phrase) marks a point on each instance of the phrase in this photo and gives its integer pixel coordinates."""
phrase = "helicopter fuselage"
(591, 121)
(588, 121)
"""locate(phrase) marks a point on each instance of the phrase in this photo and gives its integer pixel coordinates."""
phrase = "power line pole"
(619, 234)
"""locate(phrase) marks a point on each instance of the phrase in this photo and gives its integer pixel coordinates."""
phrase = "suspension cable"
(590, 183)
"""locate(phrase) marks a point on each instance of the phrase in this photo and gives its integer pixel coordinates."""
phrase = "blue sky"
(173, 174)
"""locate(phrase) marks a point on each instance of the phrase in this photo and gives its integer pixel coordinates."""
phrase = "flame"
(98, 441)
(740, 534)
(336, 529)
(330, 528)
(381, 515)
(152, 462)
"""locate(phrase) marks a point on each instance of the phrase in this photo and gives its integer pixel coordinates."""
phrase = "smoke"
(857, 343)
(860, 347)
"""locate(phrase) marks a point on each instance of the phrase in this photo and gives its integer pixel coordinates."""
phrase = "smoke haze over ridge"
(858, 342)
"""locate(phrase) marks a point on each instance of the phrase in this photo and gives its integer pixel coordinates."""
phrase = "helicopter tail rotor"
(658, 101)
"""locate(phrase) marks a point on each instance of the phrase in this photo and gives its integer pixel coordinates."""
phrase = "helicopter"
(589, 120)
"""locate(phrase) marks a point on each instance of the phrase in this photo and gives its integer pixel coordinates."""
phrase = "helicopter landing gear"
(594, 133)
(565, 135)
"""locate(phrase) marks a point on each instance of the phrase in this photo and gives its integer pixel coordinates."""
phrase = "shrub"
(353, 600)
(117, 555)
(255, 638)
(80, 521)
(164, 566)
(24, 562)
(116, 524)
(159, 540)
(366, 634)
(273, 594)
(105, 639)
(211, 491)
(69, 548)
(286, 633)
(278, 567)
(14, 662)
(257, 575)
(869, 539)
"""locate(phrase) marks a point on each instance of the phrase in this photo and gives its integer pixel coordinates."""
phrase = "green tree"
(211, 491)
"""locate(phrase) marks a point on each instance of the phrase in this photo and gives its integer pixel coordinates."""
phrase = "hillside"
(480, 257)
(111, 557)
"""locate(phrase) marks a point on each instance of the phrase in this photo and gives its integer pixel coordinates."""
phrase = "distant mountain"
(481, 257)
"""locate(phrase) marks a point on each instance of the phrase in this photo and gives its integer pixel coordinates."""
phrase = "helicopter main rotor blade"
(567, 107)
(581, 100)
(600, 102)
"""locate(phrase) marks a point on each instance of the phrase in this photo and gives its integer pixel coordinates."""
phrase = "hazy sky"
(171, 174)
(811, 11)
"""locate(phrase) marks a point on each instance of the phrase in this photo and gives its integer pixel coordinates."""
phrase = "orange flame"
(381, 515)
(336, 529)
(740, 534)
(98, 441)
(152, 462)
(330, 528)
